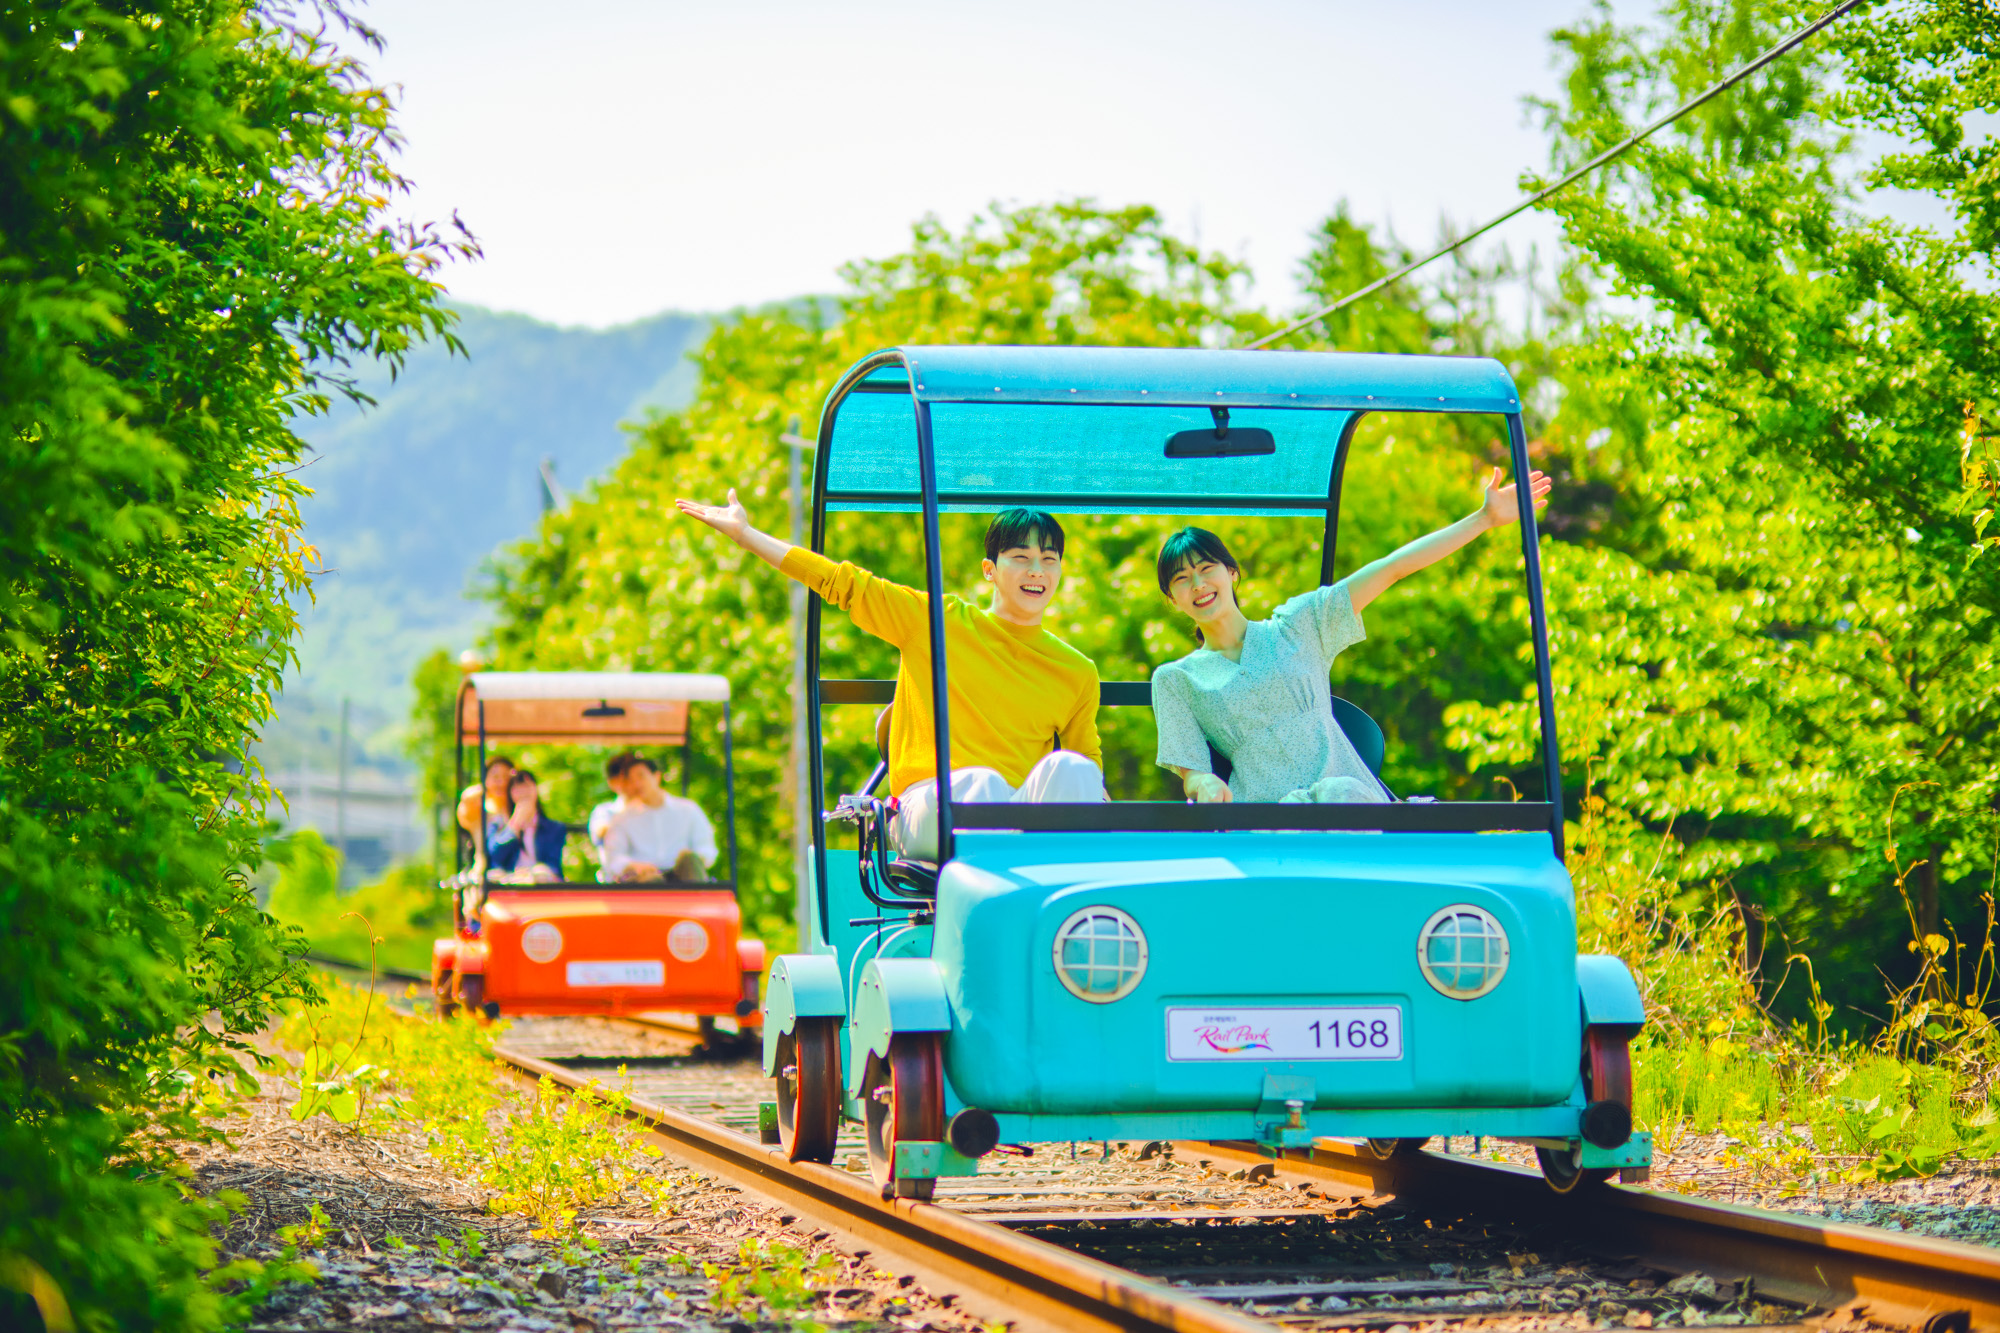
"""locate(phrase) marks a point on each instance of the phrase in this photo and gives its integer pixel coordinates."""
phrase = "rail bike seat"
(874, 817)
(914, 877)
(1361, 731)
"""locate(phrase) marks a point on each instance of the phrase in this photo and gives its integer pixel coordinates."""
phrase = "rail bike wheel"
(471, 991)
(1607, 1090)
(808, 1082)
(1565, 1175)
(1384, 1149)
(903, 1098)
(443, 1003)
(1608, 1066)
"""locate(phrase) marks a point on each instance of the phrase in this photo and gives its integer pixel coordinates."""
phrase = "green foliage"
(1792, 633)
(362, 1064)
(570, 1150)
(1793, 1103)
(192, 252)
(391, 922)
(777, 1278)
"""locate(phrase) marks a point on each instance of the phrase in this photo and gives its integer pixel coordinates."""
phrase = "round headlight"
(1100, 954)
(1463, 952)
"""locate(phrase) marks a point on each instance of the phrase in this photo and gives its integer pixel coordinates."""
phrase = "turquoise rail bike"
(1164, 970)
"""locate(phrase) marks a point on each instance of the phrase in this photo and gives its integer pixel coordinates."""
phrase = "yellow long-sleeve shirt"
(1014, 690)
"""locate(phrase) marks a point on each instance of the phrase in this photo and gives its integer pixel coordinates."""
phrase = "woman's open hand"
(1207, 789)
(1501, 507)
(731, 520)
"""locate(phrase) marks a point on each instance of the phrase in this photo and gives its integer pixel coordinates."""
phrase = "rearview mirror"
(1221, 442)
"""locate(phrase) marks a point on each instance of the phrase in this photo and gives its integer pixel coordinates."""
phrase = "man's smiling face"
(1025, 579)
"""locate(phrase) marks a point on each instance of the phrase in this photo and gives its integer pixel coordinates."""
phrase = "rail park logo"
(1233, 1040)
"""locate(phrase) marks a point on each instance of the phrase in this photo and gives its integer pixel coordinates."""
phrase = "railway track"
(1224, 1236)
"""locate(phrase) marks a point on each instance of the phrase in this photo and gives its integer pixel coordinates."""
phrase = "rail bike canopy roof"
(1087, 429)
(584, 707)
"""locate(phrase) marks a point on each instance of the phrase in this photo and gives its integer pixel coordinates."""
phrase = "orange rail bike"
(593, 947)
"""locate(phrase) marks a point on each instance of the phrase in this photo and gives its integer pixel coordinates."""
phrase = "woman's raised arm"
(1500, 508)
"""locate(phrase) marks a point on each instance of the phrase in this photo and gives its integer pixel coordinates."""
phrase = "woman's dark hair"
(1192, 546)
(1023, 527)
(522, 775)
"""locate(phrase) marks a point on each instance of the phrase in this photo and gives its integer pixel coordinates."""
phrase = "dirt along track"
(1220, 1236)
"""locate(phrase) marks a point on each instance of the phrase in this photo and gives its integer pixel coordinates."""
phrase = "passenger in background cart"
(656, 835)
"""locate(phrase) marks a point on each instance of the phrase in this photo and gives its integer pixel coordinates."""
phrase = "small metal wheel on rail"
(1384, 1149)
(1607, 1118)
(903, 1098)
(444, 998)
(808, 1084)
(471, 994)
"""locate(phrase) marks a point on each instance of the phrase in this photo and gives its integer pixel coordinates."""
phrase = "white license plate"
(646, 972)
(1325, 1032)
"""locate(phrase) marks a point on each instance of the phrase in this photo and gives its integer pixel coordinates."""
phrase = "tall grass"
(1796, 1103)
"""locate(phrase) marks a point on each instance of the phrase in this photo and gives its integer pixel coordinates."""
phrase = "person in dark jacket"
(528, 849)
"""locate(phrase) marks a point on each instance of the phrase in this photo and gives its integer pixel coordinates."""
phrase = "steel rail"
(996, 1273)
(1918, 1281)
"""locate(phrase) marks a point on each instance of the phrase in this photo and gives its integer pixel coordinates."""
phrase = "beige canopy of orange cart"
(583, 707)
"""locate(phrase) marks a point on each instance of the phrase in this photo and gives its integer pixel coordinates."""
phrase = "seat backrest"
(1362, 733)
(1357, 726)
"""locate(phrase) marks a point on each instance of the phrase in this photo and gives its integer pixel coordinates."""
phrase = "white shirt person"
(657, 836)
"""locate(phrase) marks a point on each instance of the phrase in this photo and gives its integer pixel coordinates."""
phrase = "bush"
(192, 252)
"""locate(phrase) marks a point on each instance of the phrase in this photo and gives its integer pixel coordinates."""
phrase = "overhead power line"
(1707, 94)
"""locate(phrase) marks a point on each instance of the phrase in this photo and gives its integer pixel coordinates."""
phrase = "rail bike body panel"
(1270, 973)
(572, 951)
(1328, 920)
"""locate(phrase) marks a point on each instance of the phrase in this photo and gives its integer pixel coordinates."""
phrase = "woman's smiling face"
(1203, 588)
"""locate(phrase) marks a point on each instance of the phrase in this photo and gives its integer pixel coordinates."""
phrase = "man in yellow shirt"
(1023, 703)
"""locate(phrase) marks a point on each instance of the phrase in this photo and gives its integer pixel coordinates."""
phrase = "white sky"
(618, 158)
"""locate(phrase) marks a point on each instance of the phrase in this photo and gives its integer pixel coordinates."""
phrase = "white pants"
(1336, 791)
(1062, 777)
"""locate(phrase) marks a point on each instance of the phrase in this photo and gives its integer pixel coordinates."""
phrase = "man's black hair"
(624, 760)
(1192, 546)
(1023, 527)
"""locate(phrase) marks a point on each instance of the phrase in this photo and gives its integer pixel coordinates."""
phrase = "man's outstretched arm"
(887, 610)
(733, 521)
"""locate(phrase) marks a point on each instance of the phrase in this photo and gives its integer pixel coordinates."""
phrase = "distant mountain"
(413, 494)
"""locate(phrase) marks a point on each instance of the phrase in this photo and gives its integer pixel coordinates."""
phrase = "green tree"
(192, 251)
(1795, 634)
